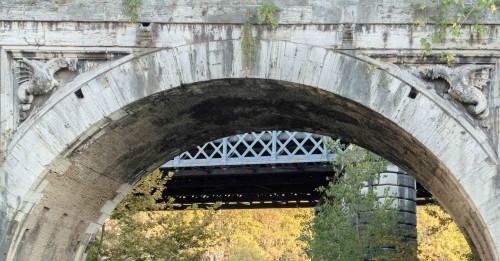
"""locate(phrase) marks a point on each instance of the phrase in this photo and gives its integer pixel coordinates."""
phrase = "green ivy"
(427, 47)
(462, 12)
(267, 14)
(447, 57)
(247, 40)
(132, 7)
(371, 68)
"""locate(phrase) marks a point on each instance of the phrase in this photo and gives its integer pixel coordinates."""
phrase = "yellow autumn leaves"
(439, 238)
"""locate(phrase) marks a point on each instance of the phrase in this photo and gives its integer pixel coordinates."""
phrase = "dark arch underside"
(157, 128)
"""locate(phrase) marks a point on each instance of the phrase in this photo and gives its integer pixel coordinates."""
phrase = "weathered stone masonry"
(139, 93)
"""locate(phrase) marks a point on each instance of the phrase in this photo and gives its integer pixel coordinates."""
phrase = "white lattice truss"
(267, 147)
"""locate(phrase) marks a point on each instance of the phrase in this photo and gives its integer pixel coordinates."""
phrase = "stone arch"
(75, 158)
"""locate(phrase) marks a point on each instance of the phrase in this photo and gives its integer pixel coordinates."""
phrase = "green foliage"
(453, 14)
(447, 57)
(481, 29)
(351, 224)
(371, 68)
(247, 39)
(165, 235)
(95, 250)
(146, 195)
(132, 7)
(420, 23)
(271, 234)
(421, 6)
(133, 234)
(267, 14)
(427, 47)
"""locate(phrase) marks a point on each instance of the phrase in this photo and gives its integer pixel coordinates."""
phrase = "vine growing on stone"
(266, 14)
(247, 40)
(132, 7)
(449, 17)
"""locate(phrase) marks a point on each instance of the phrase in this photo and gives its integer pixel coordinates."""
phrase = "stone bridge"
(91, 102)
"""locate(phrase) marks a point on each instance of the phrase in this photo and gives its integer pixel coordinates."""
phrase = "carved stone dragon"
(464, 87)
(37, 78)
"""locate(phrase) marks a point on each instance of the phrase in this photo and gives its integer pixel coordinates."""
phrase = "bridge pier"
(402, 187)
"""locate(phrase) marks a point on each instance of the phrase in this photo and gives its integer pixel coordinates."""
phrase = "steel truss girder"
(257, 148)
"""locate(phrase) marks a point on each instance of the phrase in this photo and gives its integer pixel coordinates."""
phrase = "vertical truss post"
(224, 149)
(256, 148)
(274, 135)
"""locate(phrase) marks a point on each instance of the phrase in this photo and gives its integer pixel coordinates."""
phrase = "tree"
(351, 224)
(262, 234)
(134, 234)
(439, 238)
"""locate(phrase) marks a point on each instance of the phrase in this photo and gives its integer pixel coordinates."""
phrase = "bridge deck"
(269, 169)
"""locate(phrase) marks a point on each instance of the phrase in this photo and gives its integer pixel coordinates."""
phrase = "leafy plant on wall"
(266, 15)
(450, 18)
(132, 8)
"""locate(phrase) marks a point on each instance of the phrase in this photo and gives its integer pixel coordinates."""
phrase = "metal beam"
(256, 148)
(255, 170)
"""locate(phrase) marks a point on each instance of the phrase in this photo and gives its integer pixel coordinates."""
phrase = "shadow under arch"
(104, 163)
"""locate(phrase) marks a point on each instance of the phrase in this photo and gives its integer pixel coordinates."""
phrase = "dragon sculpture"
(465, 86)
(37, 78)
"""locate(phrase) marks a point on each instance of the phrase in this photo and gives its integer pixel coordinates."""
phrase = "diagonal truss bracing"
(253, 170)
(257, 148)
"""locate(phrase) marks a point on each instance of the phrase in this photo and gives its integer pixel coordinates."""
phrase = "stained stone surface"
(185, 83)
